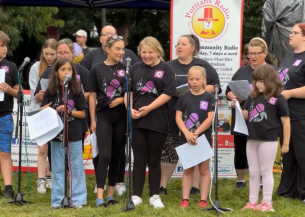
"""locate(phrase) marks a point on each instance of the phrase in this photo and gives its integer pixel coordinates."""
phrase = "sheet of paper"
(240, 124)
(241, 89)
(44, 83)
(2, 80)
(95, 150)
(192, 155)
(183, 88)
(51, 134)
(42, 122)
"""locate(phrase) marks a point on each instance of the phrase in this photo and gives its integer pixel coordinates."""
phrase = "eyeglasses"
(116, 37)
(254, 54)
(63, 53)
(107, 33)
(293, 33)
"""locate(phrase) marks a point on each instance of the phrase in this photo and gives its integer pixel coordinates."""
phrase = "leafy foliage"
(32, 21)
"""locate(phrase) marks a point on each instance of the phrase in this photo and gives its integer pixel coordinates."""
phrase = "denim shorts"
(6, 133)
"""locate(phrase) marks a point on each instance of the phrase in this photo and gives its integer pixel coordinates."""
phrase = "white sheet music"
(44, 83)
(241, 89)
(192, 155)
(240, 124)
(2, 80)
(95, 150)
(42, 122)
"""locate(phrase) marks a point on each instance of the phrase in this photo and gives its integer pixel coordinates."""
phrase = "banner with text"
(218, 26)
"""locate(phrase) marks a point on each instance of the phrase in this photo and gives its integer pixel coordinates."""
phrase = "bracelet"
(69, 112)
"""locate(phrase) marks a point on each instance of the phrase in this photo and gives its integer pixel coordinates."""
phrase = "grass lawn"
(228, 197)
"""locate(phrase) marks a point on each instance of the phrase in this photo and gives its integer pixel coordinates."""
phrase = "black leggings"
(147, 148)
(110, 133)
(240, 157)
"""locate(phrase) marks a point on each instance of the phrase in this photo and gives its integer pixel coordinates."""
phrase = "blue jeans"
(78, 190)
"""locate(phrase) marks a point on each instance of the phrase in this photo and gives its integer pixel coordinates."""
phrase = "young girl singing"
(76, 105)
(266, 111)
(194, 117)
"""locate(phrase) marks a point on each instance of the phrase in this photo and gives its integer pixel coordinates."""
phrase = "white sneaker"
(136, 200)
(41, 187)
(49, 183)
(156, 201)
(120, 188)
(95, 189)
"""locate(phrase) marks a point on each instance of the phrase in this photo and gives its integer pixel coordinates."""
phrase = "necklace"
(115, 68)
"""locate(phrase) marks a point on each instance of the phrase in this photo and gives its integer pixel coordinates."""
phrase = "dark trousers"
(240, 157)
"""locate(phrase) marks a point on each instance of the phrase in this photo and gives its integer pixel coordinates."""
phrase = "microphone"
(25, 62)
(128, 61)
(216, 88)
(68, 78)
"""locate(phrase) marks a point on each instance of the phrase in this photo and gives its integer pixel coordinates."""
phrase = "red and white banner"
(218, 26)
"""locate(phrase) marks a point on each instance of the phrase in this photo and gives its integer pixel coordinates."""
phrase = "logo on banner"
(208, 20)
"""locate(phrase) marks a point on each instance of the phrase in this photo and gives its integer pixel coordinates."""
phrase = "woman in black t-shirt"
(105, 83)
(292, 75)
(266, 111)
(257, 54)
(187, 50)
(76, 106)
(152, 86)
(194, 118)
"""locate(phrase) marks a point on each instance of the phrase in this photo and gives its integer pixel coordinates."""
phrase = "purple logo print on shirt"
(251, 86)
(114, 89)
(284, 76)
(159, 74)
(121, 73)
(297, 62)
(148, 88)
(70, 106)
(78, 77)
(192, 122)
(204, 105)
(272, 100)
(6, 68)
(257, 114)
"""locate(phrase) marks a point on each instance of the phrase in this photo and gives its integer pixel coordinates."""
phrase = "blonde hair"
(154, 44)
(50, 43)
(4, 38)
(200, 69)
(259, 42)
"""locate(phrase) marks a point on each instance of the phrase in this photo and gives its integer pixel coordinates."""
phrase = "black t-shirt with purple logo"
(243, 73)
(75, 102)
(181, 71)
(292, 75)
(195, 109)
(264, 118)
(107, 81)
(147, 84)
(11, 78)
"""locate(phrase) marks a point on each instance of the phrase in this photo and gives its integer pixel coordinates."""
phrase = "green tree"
(31, 21)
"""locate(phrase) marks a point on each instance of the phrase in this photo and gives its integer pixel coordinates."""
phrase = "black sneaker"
(9, 193)
(163, 190)
(194, 191)
(102, 205)
(112, 202)
(240, 185)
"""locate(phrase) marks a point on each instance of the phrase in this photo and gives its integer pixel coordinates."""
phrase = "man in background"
(81, 39)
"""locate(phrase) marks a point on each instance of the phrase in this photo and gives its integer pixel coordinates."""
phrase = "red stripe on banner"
(241, 30)
(171, 31)
(28, 92)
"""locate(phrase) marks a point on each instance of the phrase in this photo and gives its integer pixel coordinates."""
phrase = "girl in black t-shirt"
(105, 84)
(152, 86)
(194, 118)
(76, 105)
(265, 111)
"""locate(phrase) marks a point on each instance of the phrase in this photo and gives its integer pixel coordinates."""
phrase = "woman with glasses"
(187, 50)
(47, 58)
(257, 54)
(292, 75)
(65, 49)
(105, 84)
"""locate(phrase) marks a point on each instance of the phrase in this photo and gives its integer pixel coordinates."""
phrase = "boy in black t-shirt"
(194, 118)
(10, 89)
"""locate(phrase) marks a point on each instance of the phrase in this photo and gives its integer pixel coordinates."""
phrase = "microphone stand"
(20, 101)
(130, 205)
(65, 203)
(216, 204)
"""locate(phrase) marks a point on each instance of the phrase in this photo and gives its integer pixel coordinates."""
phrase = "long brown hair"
(54, 84)
(43, 65)
(272, 82)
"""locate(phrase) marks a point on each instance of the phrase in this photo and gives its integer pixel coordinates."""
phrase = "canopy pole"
(103, 17)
